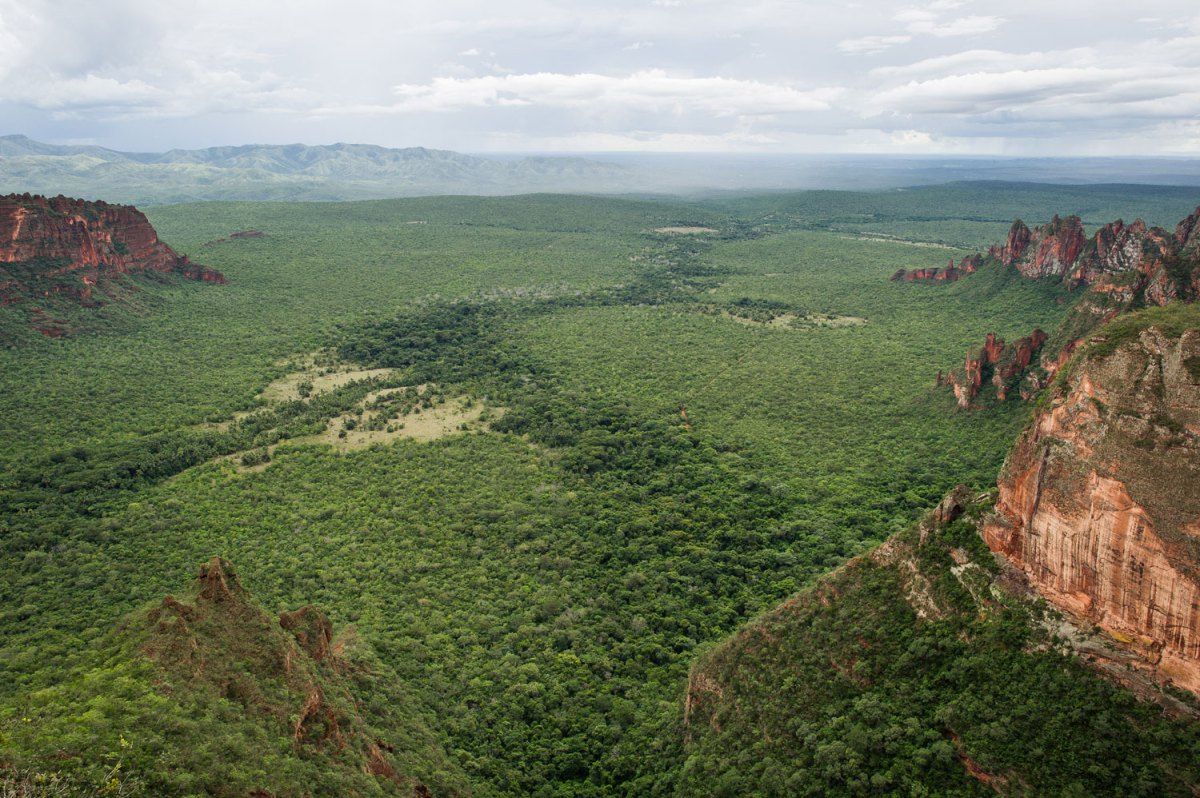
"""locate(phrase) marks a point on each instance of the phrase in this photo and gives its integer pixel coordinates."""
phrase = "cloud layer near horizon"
(940, 76)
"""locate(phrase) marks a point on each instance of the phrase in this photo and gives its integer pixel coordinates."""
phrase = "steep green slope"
(921, 669)
(930, 666)
(211, 695)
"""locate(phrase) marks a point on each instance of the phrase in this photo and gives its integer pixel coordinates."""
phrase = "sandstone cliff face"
(59, 246)
(1187, 233)
(1060, 250)
(1048, 251)
(1121, 267)
(1099, 501)
(952, 272)
(997, 362)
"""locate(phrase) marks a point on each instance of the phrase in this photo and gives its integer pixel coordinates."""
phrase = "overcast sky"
(1067, 77)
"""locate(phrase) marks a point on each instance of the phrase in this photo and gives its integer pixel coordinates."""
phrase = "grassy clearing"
(684, 230)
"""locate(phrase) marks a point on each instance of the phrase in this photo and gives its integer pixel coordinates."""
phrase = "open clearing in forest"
(367, 425)
(794, 321)
(684, 230)
(459, 414)
(882, 239)
(321, 373)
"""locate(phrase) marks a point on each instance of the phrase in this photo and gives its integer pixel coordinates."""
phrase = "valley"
(630, 428)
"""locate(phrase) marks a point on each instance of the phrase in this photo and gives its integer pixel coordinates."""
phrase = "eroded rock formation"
(289, 674)
(1121, 267)
(1001, 364)
(1099, 501)
(63, 247)
(952, 272)
(1125, 261)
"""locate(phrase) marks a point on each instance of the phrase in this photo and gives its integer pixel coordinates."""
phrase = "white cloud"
(905, 75)
(639, 141)
(91, 91)
(1134, 86)
(653, 91)
(869, 45)
(962, 26)
(912, 140)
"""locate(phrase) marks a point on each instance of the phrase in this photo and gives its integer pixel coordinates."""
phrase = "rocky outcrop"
(904, 643)
(287, 675)
(1121, 267)
(1126, 261)
(1098, 503)
(952, 272)
(1048, 251)
(76, 249)
(1001, 364)
(312, 630)
(1187, 234)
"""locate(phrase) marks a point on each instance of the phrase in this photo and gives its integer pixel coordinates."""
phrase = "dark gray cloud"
(954, 76)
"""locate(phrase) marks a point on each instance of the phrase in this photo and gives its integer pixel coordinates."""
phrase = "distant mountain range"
(366, 171)
(287, 172)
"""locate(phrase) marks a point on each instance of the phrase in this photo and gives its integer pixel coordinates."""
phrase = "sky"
(953, 77)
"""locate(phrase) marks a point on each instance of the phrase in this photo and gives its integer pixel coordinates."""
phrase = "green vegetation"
(845, 690)
(211, 696)
(1172, 320)
(660, 473)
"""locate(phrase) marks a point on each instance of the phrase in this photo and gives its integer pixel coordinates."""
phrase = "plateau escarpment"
(934, 662)
(1119, 268)
(1098, 502)
(80, 252)
(928, 667)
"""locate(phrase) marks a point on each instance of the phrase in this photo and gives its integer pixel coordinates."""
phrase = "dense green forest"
(681, 431)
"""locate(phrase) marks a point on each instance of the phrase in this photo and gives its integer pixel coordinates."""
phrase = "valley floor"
(559, 448)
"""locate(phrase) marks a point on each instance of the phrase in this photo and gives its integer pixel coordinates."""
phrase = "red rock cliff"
(952, 272)
(1003, 364)
(1099, 504)
(59, 245)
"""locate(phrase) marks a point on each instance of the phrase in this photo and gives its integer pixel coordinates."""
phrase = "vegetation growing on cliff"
(917, 670)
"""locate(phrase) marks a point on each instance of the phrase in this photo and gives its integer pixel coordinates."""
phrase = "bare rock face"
(63, 247)
(1187, 233)
(1000, 363)
(1121, 267)
(1125, 262)
(1099, 501)
(1048, 251)
(1019, 237)
(952, 272)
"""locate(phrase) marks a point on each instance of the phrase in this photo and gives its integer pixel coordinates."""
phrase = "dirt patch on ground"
(418, 413)
(349, 431)
(684, 230)
(824, 320)
(782, 321)
(314, 379)
(882, 239)
(793, 321)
